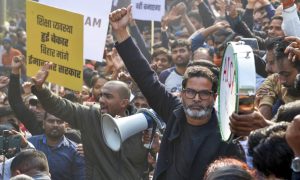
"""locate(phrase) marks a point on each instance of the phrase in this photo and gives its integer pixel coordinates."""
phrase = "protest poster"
(148, 10)
(55, 35)
(96, 23)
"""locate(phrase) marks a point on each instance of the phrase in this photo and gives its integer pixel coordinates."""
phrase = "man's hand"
(117, 60)
(27, 87)
(293, 49)
(3, 81)
(292, 135)
(17, 63)
(119, 19)
(41, 76)
(243, 124)
(80, 150)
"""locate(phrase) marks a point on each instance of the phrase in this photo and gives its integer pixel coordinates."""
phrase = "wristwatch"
(296, 164)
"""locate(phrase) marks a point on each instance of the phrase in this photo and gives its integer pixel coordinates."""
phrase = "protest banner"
(95, 23)
(148, 10)
(55, 35)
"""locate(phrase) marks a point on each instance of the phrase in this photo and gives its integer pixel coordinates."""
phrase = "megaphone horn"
(117, 130)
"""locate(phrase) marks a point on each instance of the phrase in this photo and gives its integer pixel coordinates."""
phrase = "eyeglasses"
(191, 93)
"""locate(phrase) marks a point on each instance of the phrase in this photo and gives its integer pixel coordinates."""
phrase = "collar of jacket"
(180, 119)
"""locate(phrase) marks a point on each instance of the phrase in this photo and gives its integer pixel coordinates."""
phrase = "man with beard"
(192, 139)
(181, 55)
(63, 159)
(279, 85)
(101, 162)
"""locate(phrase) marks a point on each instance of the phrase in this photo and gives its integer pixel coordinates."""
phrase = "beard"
(55, 134)
(204, 112)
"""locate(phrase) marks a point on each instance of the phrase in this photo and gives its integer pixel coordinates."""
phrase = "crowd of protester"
(55, 133)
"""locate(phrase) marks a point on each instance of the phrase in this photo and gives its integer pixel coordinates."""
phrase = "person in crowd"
(33, 163)
(243, 124)
(140, 101)
(229, 169)
(97, 83)
(192, 138)
(181, 56)
(10, 52)
(19, 143)
(272, 155)
(21, 42)
(279, 85)
(63, 159)
(161, 59)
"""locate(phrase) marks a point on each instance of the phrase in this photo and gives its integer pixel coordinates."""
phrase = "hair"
(139, 95)
(29, 160)
(276, 18)
(161, 50)
(88, 74)
(208, 64)
(181, 43)
(281, 56)
(122, 88)
(273, 156)
(287, 112)
(254, 138)
(95, 78)
(229, 169)
(199, 71)
(258, 135)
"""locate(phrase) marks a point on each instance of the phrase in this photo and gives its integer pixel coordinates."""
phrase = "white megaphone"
(117, 130)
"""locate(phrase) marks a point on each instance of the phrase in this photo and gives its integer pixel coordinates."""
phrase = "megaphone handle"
(152, 136)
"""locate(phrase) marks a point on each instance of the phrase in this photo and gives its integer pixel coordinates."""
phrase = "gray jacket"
(101, 162)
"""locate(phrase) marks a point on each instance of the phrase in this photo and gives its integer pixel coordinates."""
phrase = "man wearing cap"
(9, 53)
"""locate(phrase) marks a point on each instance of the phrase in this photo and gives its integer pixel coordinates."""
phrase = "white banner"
(149, 10)
(96, 22)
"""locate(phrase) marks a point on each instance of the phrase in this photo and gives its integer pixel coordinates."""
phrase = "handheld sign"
(236, 84)
(55, 35)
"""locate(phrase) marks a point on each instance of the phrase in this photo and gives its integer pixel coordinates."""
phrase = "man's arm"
(139, 39)
(27, 117)
(64, 109)
(267, 94)
(291, 21)
(158, 98)
(243, 124)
